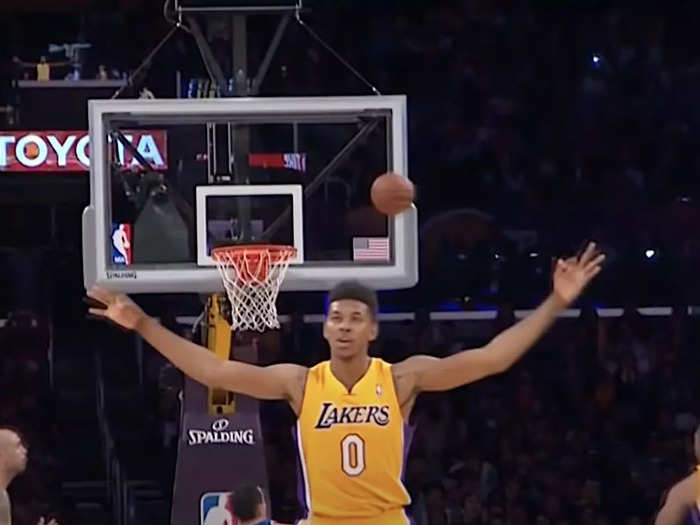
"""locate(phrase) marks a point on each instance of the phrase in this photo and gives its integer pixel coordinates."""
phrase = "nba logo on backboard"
(215, 509)
(121, 244)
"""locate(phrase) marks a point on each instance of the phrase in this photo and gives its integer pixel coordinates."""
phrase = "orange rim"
(277, 252)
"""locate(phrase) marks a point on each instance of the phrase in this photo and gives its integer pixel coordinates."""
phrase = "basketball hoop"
(252, 275)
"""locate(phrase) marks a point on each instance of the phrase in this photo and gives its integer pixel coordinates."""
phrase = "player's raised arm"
(21, 63)
(431, 374)
(270, 382)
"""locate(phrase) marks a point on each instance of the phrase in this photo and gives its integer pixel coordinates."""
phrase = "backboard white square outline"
(204, 192)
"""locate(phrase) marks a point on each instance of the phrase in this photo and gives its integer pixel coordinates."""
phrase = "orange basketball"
(392, 193)
(31, 150)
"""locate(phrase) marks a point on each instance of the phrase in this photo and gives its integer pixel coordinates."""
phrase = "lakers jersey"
(352, 446)
(43, 72)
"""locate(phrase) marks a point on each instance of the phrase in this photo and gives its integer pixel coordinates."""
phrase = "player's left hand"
(572, 275)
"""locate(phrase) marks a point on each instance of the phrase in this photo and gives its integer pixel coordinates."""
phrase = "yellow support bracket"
(219, 341)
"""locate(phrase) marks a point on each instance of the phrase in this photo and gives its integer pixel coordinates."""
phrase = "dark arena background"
(532, 127)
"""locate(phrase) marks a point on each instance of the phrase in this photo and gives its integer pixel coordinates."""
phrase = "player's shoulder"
(288, 369)
(379, 365)
(319, 368)
(299, 373)
(291, 375)
(407, 373)
(685, 491)
(317, 372)
(404, 373)
(411, 365)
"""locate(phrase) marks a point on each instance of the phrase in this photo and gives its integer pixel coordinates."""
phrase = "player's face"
(349, 328)
(14, 453)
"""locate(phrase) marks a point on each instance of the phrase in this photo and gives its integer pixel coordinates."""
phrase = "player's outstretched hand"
(42, 521)
(572, 275)
(116, 307)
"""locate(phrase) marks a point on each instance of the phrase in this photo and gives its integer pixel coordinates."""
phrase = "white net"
(252, 277)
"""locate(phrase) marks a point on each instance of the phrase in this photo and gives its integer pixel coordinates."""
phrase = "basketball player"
(353, 411)
(683, 500)
(13, 461)
(249, 506)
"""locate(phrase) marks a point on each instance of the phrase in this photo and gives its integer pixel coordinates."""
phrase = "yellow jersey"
(352, 446)
(43, 72)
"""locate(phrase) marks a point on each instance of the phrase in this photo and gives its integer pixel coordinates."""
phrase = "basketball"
(392, 193)
(31, 151)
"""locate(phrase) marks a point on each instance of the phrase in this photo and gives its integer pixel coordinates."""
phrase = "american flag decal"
(370, 249)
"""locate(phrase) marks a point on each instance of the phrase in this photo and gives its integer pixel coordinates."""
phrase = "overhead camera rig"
(182, 14)
(241, 6)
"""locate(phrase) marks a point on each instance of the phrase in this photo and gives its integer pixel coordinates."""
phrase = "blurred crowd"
(567, 122)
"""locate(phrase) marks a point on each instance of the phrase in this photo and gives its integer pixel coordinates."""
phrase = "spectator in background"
(102, 73)
(683, 500)
(13, 461)
(436, 505)
(43, 67)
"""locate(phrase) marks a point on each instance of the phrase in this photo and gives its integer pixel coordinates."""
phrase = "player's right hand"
(116, 307)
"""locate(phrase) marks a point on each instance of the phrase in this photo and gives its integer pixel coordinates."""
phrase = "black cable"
(145, 63)
(335, 54)
(179, 23)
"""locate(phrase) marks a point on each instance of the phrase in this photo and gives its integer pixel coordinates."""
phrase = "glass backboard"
(171, 179)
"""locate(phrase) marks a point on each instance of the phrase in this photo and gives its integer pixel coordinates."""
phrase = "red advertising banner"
(22, 151)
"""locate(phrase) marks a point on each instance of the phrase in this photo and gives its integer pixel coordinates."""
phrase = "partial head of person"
(13, 455)
(351, 321)
(249, 507)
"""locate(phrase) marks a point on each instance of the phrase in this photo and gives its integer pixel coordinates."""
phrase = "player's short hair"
(245, 501)
(356, 291)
